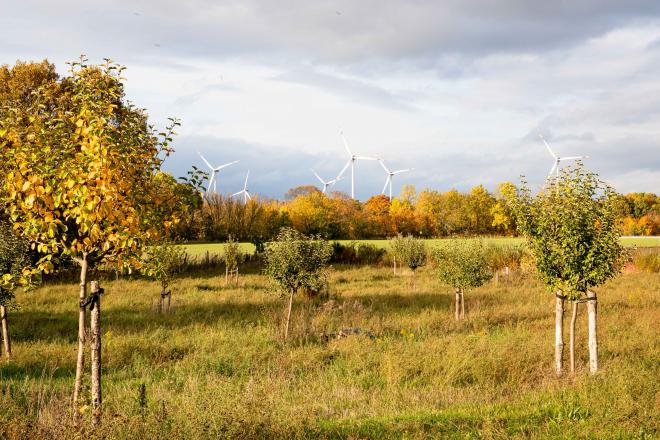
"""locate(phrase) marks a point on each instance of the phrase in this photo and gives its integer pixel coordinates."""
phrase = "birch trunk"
(288, 316)
(6, 342)
(80, 362)
(95, 327)
(571, 345)
(457, 305)
(559, 332)
(592, 310)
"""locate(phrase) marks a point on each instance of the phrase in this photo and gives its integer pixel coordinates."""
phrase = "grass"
(217, 366)
(199, 249)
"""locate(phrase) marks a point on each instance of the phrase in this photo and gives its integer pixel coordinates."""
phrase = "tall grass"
(217, 366)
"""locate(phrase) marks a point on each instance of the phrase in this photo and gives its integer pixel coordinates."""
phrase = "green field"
(199, 249)
(217, 366)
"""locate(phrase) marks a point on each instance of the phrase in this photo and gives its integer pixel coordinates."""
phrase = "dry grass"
(217, 366)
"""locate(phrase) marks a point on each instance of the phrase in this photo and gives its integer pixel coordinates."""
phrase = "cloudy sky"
(457, 89)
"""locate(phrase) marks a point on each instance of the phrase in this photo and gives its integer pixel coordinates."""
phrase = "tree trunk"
(395, 265)
(414, 280)
(592, 306)
(288, 316)
(559, 332)
(95, 327)
(462, 304)
(80, 362)
(6, 342)
(457, 305)
(571, 345)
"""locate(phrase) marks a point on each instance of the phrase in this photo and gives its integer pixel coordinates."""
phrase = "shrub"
(647, 260)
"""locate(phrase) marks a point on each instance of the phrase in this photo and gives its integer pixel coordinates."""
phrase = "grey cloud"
(191, 98)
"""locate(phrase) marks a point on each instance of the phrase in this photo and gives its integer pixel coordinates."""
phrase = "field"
(216, 367)
(199, 249)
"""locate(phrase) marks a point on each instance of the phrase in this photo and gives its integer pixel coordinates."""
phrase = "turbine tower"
(351, 162)
(214, 172)
(244, 191)
(555, 166)
(327, 184)
(390, 175)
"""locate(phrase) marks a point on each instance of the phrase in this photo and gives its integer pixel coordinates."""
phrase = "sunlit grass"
(217, 366)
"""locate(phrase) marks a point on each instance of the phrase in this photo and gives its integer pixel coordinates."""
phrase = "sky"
(459, 90)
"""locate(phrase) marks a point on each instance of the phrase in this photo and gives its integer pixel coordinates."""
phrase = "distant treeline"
(427, 213)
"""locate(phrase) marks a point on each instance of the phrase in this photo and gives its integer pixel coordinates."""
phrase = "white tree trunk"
(571, 345)
(559, 332)
(6, 341)
(288, 316)
(592, 310)
(80, 362)
(457, 305)
(462, 304)
(95, 327)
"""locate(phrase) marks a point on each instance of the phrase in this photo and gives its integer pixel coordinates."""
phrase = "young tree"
(572, 231)
(295, 261)
(163, 262)
(80, 162)
(232, 258)
(14, 271)
(410, 251)
(463, 264)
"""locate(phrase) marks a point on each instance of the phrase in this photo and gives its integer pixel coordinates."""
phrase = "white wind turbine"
(390, 175)
(327, 184)
(214, 172)
(555, 166)
(244, 191)
(351, 162)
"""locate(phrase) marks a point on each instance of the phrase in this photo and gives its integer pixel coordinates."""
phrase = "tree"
(500, 211)
(480, 204)
(573, 234)
(232, 258)
(295, 261)
(80, 163)
(463, 264)
(15, 271)
(301, 190)
(313, 214)
(410, 251)
(162, 262)
(377, 210)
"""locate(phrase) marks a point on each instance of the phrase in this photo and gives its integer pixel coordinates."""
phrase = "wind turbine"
(244, 191)
(327, 184)
(351, 162)
(555, 166)
(214, 172)
(390, 174)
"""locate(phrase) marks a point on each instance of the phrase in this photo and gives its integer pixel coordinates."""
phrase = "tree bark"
(457, 305)
(571, 345)
(6, 342)
(95, 327)
(559, 331)
(288, 316)
(592, 310)
(80, 362)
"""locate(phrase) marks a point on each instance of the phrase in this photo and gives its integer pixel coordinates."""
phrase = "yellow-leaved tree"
(79, 163)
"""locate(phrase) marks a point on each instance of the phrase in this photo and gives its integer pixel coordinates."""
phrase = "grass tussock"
(217, 366)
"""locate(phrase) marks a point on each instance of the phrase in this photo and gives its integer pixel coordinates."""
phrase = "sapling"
(232, 258)
(295, 261)
(463, 264)
(573, 234)
(163, 262)
(410, 251)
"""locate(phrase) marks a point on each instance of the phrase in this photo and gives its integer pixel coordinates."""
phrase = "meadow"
(217, 366)
(199, 249)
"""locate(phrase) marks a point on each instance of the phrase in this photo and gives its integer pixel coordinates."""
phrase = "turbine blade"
(343, 170)
(235, 194)
(225, 165)
(548, 147)
(248, 195)
(205, 161)
(554, 167)
(318, 177)
(382, 164)
(350, 153)
(365, 158)
(402, 171)
(246, 180)
(386, 182)
(574, 157)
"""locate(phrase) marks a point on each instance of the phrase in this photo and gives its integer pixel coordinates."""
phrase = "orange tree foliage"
(80, 163)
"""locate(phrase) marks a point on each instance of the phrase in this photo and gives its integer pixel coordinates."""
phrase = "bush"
(409, 250)
(356, 252)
